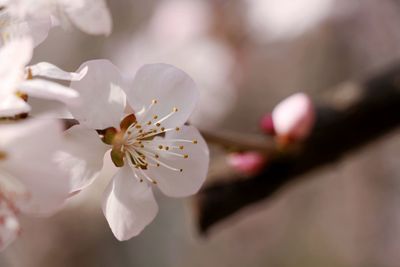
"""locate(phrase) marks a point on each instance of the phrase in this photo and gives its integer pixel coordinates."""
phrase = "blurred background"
(245, 56)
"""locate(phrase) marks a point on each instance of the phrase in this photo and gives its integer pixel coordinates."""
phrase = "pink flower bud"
(294, 117)
(267, 124)
(249, 163)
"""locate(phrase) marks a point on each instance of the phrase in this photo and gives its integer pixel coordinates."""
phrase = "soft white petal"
(49, 90)
(171, 87)
(30, 148)
(11, 105)
(13, 57)
(195, 167)
(81, 156)
(92, 17)
(36, 28)
(128, 205)
(51, 71)
(102, 100)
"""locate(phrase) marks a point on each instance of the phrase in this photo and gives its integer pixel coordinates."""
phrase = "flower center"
(142, 144)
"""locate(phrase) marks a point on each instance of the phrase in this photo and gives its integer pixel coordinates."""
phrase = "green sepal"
(117, 157)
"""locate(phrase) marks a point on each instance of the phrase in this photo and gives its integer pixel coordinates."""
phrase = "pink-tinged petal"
(294, 117)
(249, 163)
(51, 71)
(9, 225)
(102, 99)
(128, 205)
(30, 148)
(49, 90)
(267, 124)
(81, 156)
(92, 17)
(171, 87)
(12, 105)
(175, 183)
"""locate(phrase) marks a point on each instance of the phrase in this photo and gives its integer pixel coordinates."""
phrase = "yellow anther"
(194, 141)
(158, 124)
(155, 117)
(154, 101)
(186, 156)
(166, 148)
(181, 147)
(175, 109)
(160, 147)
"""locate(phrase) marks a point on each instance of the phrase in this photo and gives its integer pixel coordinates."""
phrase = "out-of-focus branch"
(349, 116)
(238, 141)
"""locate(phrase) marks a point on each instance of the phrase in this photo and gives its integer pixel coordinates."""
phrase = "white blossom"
(280, 19)
(90, 16)
(18, 81)
(143, 126)
(14, 28)
(30, 181)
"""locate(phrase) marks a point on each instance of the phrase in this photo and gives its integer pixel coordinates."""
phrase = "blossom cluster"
(141, 126)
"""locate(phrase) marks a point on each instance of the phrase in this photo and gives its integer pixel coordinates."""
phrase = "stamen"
(183, 141)
(147, 177)
(166, 165)
(174, 110)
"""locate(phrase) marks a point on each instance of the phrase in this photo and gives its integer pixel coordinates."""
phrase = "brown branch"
(238, 141)
(351, 115)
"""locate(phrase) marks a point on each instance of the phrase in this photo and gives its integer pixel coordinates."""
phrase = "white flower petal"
(171, 87)
(51, 71)
(81, 156)
(30, 148)
(195, 167)
(92, 17)
(102, 100)
(49, 90)
(12, 105)
(37, 29)
(13, 57)
(128, 205)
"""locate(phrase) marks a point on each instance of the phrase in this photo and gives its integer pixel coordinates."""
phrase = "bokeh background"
(245, 56)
